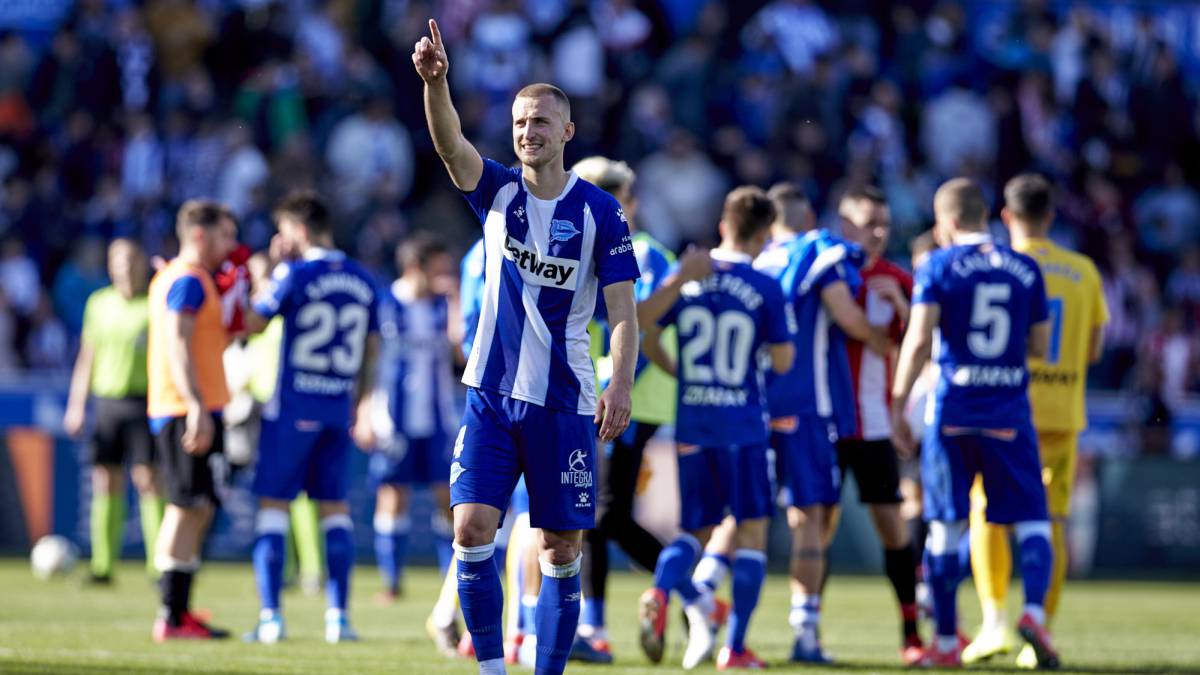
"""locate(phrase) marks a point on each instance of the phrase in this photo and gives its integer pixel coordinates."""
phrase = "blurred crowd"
(109, 121)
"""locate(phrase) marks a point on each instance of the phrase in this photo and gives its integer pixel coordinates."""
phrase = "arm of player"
(363, 432)
(914, 353)
(1038, 343)
(461, 158)
(81, 384)
(652, 347)
(613, 410)
(1096, 344)
(693, 265)
(783, 355)
(889, 289)
(846, 313)
(199, 429)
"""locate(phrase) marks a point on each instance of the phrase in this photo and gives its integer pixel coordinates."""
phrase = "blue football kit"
(980, 422)
(531, 387)
(722, 322)
(470, 293)
(413, 411)
(329, 306)
(812, 405)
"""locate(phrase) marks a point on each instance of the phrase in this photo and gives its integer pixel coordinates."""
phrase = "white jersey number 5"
(990, 322)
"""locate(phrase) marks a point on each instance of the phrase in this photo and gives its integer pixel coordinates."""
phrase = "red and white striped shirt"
(870, 372)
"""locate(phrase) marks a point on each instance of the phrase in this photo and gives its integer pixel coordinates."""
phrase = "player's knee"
(472, 532)
(143, 480)
(560, 549)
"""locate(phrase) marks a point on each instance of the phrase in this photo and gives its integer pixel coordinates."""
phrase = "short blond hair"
(961, 200)
(607, 174)
(539, 89)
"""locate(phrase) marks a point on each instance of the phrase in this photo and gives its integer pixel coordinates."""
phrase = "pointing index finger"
(437, 34)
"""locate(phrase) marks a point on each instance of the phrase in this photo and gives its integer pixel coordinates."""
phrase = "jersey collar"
(973, 239)
(322, 253)
(572, 177)
(730, 256)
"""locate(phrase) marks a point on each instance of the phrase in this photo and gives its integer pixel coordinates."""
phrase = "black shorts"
(876, 469)
(190, 479)
(122, 432)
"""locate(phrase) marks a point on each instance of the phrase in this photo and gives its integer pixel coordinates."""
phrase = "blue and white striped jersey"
(545, 261)
(416, 384)
(819, 383)
(329, 305)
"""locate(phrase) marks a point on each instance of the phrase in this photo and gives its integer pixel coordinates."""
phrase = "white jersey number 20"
(729, 336)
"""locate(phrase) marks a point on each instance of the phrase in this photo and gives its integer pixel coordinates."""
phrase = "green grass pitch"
(59, 627)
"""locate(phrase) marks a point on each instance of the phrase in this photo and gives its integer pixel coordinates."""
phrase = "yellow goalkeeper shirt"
(1076, 303)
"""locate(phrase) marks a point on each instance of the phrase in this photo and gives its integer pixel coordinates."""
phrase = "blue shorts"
(714, 482)
(295, 455)
(1008, 461)
(502, 437)
(422, 461)
(806, 460)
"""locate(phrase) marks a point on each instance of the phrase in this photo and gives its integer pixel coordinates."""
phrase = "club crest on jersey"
(520, 213)
(562, 230)
(541, 270)
(577, 473)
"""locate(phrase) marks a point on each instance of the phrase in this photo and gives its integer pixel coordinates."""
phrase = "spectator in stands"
(371, 158)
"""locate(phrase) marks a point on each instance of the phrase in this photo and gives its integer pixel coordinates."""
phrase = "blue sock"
(557, 616)
(674, 564)
(1036, 561)
(271, 525)
(749, 570)
(593, 612)
(529, 614)
(391, 549)
(943, 574)
(482, 599)
(443, 541)
(339, 558)
(964, 556)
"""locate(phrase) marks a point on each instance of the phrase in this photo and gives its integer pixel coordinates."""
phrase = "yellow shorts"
(1058, 450)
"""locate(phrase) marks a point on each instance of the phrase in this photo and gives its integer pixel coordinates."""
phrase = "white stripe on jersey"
(821, 364)
(825, 259)
(583, 306)
(533, 368)
(494, 233)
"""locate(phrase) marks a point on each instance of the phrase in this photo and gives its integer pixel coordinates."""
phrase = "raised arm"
(461, 158)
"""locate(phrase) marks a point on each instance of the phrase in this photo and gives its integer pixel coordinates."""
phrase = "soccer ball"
(52, 555)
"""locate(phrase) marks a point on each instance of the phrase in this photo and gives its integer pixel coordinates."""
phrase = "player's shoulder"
(602, 205)
(499, 173)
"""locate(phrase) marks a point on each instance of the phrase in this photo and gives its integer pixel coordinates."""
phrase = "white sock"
(492, 667)
(805, 615)
(994, 618)
(1037, 612)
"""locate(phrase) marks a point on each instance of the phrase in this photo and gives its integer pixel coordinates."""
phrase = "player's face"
(218, 242)
(126, 266)
(439, 272)
(540, 130)
(867, 224)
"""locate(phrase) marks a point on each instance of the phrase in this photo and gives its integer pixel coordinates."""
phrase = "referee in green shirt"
(111, 366)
